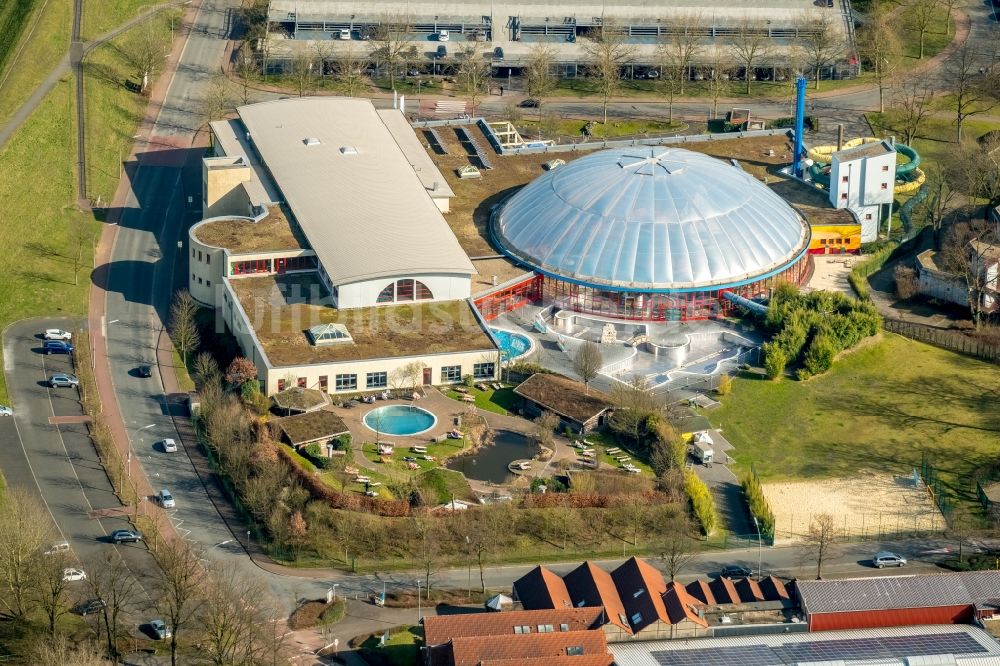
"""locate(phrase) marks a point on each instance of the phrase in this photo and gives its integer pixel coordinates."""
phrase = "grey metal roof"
(420, 160)
(651, 219)
(354, 194)
(891, 592)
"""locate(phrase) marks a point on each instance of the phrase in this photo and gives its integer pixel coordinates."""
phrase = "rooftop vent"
(311, 141)
(348, 150)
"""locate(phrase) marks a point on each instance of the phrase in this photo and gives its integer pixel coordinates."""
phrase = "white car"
(72, 574)
(169, 446)
(166, 499)
(6, 411)
(160, 629)
(58, 548)
(57, 334)
(443, 36)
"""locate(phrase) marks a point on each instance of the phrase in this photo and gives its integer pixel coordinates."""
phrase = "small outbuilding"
(297, 400)
(318, 427)
(581, 409)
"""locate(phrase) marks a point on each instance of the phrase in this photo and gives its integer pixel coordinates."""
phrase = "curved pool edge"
(434, 421)
(531, 342)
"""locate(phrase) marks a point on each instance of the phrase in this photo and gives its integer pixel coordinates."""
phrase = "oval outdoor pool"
(512, 344)
(402, 420)
(490, 462)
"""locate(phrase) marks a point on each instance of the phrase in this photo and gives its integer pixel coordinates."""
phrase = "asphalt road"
(58, 463)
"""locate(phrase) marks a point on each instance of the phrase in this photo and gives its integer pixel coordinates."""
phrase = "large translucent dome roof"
(659, 219)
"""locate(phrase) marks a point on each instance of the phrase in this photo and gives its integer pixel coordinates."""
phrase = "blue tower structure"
(800, 116)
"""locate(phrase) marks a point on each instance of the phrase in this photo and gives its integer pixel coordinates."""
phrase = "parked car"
(530, 103)
(56, 548)
(343, 33)
(57, 347)
(57, 334)
(736, 571)
(73, 574)
(6, 411)
(443, 36)
(166, 499)
(92, 606)
(884, 559)
(160, 629)
(63, 380)
(144, 371)
(169, 446)
(126, 536)
(442, 52)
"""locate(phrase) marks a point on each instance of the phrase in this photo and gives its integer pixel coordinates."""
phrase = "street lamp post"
(134, 433)
(760, 546)
(418, 602)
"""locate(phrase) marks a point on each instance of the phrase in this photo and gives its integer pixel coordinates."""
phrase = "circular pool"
(402, 420)
(512, 344)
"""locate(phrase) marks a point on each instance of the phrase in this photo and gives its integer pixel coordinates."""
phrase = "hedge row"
(874, 263)
(590, 500)
(702, 502)
(759, 507)
(348, 501)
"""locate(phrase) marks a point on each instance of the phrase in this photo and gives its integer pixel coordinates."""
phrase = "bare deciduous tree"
(717, 80)
(110, 581)
(969, 90)
(751, 44)
(588, 362)
(219, 99)
(821, 43)
(474, 74)
(819, 540)
(677, 548)
(67, 652)
(303, 71)
(676, 53)
(145, 51)
(81, 237)
(919, 16)
(50, 588)
(26, 528)
(183, 325)
(607, 53)
(179, 589)
(538, 74)
(390, 44)
(349, 70)
(880, 47)
(246, 68)
(913, 105)
(425, 547)
(545, 428)
(237, 620)
(966, 251)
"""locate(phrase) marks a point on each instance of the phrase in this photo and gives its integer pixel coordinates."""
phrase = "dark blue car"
(57, 347)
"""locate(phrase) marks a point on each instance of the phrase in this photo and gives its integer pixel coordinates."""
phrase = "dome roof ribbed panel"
(650, 218)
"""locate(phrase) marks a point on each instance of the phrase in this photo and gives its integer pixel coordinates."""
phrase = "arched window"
(387, 294)
(402, 291)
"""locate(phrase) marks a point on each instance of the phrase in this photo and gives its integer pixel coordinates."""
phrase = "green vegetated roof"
(563, 396)
(300, 399)
(282, 311)
(274, 232)
(312, 426)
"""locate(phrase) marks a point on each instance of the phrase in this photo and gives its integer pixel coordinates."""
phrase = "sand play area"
(868, 506)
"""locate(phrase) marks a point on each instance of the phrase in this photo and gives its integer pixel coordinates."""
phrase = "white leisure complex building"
(325, 251)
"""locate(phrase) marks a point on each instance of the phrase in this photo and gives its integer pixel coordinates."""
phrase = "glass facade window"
(375, 380)
(451, 373)
(324, 383)
(346, 382)
(403, 291)
(301, 382)
(250, 267)
(387, 295)
(484, 370)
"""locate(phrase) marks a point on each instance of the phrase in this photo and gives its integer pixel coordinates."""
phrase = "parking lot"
(58, 462)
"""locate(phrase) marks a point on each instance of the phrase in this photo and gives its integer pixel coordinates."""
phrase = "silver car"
(63, 380)
(884, 559)
(6, 411)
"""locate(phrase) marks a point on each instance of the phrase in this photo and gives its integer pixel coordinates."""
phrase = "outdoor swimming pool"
(402, 420)
(512, 345)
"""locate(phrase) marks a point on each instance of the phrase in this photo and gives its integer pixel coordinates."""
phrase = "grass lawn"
(100, 17)
(503, 401)
(35, 57)
(880, 408)
(573, 127)
(602, 441)
(400, 649)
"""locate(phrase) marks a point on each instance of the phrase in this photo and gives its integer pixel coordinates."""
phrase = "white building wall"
(364, 294)
(878, 171)
(863, 190)
(207, 264)
(869, 216)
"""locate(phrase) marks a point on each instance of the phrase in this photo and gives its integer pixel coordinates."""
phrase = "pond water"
(490, 462)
